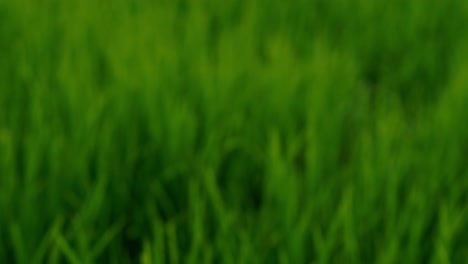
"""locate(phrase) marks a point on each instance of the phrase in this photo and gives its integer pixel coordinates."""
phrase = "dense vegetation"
(202, 131)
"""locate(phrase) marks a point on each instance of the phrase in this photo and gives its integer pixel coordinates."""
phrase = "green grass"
(202, 131)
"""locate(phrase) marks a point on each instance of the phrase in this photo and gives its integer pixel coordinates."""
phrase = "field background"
(202, 131)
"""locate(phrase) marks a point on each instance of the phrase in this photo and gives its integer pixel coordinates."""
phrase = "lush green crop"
(202, 131)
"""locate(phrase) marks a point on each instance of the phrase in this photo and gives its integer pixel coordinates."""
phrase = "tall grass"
(233, 131)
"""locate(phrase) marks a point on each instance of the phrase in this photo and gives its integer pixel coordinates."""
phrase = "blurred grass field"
(202, 131)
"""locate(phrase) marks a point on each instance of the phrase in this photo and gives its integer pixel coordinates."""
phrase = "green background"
(203, 131)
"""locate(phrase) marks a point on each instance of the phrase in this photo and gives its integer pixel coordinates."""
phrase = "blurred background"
(202, 131)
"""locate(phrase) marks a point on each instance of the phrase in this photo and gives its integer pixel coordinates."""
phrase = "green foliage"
(233, 131)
